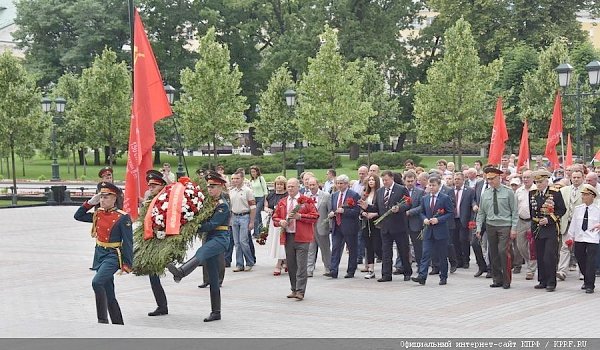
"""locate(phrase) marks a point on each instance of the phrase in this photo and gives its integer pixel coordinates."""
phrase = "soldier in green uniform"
(217, 242)
(546, 206)
(114, 248)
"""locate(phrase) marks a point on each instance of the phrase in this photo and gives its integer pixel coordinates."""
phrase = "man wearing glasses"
(546, 206)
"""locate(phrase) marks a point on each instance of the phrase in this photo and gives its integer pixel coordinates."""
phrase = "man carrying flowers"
(296, 214)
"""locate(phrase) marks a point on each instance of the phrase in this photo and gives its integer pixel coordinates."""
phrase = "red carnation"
(350, 202)
(305, 200)
(441, 211)
(472, 225)
(407, 200)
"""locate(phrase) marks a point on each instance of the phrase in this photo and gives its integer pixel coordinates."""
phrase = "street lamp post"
(290, 101)
(564, 72)
(170, 91)
(60, 108)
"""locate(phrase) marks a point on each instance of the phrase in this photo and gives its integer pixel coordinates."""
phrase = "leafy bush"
(314, 158)
(41, 178)
(82, 177)
(267, 164)
(468, 148)
(387, 160)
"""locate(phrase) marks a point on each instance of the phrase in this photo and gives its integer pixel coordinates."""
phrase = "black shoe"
(406, 278)
(214, 316)
(227, 264)
(465, 266)
(550, 288)
(419, 280)
(204, 285)
(385, 279)
(479, 273)
(327, 274)
(435, 271)
(349, 275)
(589, 290)
(398, 272)
(506, 286)
(488, 275)
(378, 260)
(159, 312)
(583, 287)
(496, 285)
(183, 270)
(540, 286)
(443, 282)
(453, 269)
(102, 321)
(517, 269)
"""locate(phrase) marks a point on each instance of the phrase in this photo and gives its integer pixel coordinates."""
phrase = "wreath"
(168, 224)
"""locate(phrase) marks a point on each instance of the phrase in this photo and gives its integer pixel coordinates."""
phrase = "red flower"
(184, 180)
(441, 211)
(305, 200)
(350, 202)
(472, 225)
(407, 200)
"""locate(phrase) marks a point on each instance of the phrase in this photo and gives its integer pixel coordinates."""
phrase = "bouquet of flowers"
(264, 233)
(350, 203)
(404, 200)
(168, 224)
(302, 200)
(438, 213)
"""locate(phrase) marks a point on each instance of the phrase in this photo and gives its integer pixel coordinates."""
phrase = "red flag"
(569, 156)
(499, 136)
(554, 134)
(149, 105)
(524, 147)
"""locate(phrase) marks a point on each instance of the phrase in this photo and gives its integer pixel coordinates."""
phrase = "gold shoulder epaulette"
(122, 212)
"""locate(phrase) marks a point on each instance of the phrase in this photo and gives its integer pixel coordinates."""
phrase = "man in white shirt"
(524, 223)
(329, 184)
(584, 231)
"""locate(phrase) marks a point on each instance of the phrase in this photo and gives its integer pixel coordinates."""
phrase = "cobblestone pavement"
(46, 292)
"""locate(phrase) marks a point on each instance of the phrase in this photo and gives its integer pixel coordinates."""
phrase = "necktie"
(292, 224)
(432, 202)
(584, 226)
(338, 216)
(574, 195)
(457, 210)
(386, 197)
(496, 209)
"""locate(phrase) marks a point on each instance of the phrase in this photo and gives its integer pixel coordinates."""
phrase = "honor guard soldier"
(156, 183)
(217, 242)
(106, 175)
(546, 206)
(114, 248)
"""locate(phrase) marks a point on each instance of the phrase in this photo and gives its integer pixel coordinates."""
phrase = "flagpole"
(562, 148)
(131, 33)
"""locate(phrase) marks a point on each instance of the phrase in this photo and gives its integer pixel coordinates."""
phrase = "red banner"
(524, 147)
(499, 136)
(149, 105)
(554, 133)
(569, 155)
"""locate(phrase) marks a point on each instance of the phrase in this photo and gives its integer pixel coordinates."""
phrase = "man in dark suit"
(394, 227)
(415, 224)
(345, 227)
(447, 189)
(479, 244)
(436, 211)
(463, 214)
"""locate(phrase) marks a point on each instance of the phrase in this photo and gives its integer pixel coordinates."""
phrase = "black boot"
(183, 270)
(101, 307)
(159, 311)
(215, 304)
(115, 312)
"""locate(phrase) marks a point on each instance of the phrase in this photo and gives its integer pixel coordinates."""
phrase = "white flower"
(164, 206)
(161, 234)
(162, 196)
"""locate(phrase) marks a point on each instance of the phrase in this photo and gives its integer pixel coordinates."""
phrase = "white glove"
(95, 200)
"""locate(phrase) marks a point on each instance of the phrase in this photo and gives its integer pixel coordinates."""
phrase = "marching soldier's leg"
(101, 306)
(215, 292)
(183, 270)
(221, 260)
(113, 306)
(99, 283)
(159, 296)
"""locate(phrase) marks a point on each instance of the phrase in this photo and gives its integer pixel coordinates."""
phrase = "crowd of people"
(509, 217)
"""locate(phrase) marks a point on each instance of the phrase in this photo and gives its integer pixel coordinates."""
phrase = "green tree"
(454, 99)
(21, 122)
(104, 103)
(274, 123)
(331, 109)
(211, 106)
(62, 36)
(385, 122)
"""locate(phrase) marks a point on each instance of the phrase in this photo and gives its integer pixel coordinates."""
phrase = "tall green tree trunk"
(96, 156)
(354, 151)
(74, 164)
(157, 155)
(283, 149)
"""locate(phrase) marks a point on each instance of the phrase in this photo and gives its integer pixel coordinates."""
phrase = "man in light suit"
(436, 211)
(394, 227)
(345, 224)
(572, 197)
(415, 224)
(322, 201)
(465, 204)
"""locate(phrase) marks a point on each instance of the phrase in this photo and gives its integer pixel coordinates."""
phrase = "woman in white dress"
(276, 249)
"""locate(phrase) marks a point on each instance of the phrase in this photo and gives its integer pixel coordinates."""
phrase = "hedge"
(468, 148)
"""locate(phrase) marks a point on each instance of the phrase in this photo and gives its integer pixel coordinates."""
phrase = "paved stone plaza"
(46, 292)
